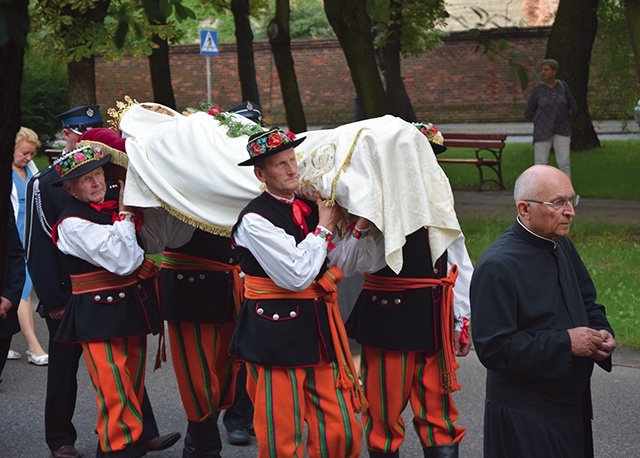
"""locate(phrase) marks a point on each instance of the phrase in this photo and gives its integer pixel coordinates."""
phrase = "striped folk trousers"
(392, 379)
(117, 367)
(285, 398)
(203, 367)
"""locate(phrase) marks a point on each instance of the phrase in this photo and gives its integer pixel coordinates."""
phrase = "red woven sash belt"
(102, 280)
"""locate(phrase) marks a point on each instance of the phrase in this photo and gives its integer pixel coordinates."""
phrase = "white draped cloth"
(385, 170)
(382, 169)
(187, 164)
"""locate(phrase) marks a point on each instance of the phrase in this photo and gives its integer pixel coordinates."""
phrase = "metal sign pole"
(208, 79)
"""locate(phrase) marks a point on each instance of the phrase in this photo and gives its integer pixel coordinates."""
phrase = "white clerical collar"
(281, 199)
(533, 233)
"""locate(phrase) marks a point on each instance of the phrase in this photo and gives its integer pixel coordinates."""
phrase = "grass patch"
(607, 172)
(611, 254)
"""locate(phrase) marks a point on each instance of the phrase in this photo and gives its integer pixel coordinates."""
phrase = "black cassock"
(526, 292)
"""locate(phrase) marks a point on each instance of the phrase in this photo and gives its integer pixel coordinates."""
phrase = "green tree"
(76, 30)
(613, 66)
(158, 13)
(570, 43)
(353, 27)
(280, 40)
(633, 24)
(43, 94)
(403, 27)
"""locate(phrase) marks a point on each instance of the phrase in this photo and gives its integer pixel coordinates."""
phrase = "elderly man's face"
(543, 219)
(280, 173)
(89, 188)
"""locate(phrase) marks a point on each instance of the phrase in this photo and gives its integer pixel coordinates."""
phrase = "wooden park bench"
(488, 150)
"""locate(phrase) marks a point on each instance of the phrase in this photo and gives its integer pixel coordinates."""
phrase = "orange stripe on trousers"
(117, 367)
(284, 399)
(391, 380)
(203, 367)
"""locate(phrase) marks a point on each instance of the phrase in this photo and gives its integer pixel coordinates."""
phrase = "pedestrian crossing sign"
(209, 42)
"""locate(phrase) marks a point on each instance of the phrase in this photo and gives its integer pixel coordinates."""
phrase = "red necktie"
(300, 210)
(108, 206)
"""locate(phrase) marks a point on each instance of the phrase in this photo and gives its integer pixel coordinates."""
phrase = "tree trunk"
(244, 49)
(81, 74)
(280, 40)
(633, 23)
(11, 56)
(352, 26)
(82, 82)
(160, 71)
(570, 43)
(389, 61)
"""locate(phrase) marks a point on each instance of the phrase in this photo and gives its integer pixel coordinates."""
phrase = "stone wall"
(455, 83)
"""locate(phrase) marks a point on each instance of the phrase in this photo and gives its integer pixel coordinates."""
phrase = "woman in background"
(23, 169)
(550, 107)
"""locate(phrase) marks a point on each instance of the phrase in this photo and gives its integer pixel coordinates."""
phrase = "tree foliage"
(78, 29)
(418, 24)
(613, 70)
(43, 95)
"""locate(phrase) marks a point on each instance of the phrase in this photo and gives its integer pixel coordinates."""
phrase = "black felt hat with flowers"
(268, 143)
(77, 162)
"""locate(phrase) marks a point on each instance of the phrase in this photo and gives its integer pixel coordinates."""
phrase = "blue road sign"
(209, 42)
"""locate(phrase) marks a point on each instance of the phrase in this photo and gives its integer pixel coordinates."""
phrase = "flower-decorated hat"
(268, 143)
(79, 161)
(433, 135)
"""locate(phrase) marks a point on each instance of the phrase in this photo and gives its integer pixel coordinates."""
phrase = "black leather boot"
(202, 440)
(441, 451)
(129, 452)
(373, 454)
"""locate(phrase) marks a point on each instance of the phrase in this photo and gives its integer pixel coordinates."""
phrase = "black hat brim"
(84, 168)
(437, 149)
(275, 150)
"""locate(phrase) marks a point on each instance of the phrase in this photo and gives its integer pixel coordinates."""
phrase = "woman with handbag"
(550, 107)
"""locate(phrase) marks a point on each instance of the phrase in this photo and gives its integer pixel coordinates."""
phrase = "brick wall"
(455, 83)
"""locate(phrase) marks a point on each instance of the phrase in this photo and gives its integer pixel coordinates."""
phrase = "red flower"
(255, 149)
(274, 140)
(215, 110)
(290, 135)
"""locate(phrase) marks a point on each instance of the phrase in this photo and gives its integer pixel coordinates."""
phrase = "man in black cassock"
(537, 328)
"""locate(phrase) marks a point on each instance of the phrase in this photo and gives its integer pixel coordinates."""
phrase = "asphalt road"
(616, 405)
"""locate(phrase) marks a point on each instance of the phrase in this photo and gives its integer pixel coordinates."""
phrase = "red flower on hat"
(79, 157)
(274, 140)
(215, 110)
(290, 135)
(256, 150)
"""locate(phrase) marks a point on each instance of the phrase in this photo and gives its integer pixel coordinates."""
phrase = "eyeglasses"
(560, 203)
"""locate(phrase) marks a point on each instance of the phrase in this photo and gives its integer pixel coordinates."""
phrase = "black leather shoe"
(157, 443)
(238, 437)
(66, 451)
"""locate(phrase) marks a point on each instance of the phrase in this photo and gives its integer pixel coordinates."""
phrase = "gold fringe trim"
(117, 157)
(196, 222)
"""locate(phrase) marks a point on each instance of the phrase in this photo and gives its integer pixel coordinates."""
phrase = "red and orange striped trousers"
(285, 398)
(391, 379)
(203, 367)
(117, 367)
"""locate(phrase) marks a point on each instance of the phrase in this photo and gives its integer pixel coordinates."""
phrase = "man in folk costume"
(45, 203)
(411, 325)
(289, 329)
(114, 302)
(201, 292)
